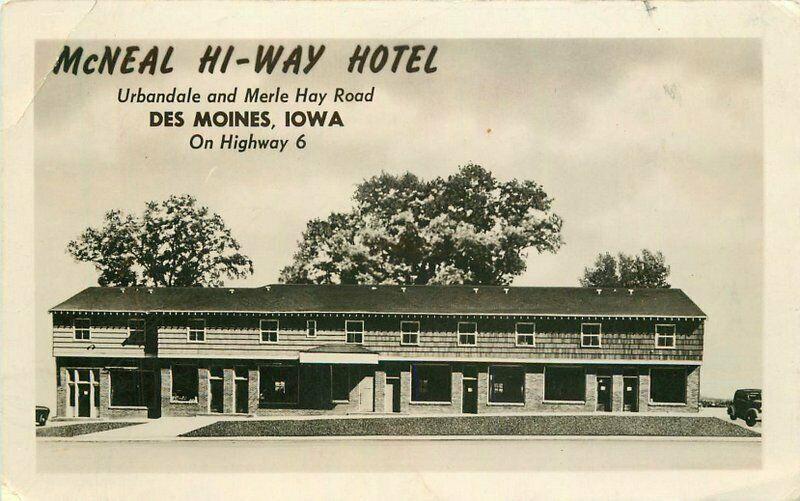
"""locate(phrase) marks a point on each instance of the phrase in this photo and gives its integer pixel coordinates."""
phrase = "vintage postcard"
(424, 250)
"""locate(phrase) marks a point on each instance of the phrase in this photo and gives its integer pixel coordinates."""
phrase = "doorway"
(151, 393)
(469, 395)
(241, 390)
(216, 386)
(604, 393)
(391, 402)
(630, 394)
(83, 392)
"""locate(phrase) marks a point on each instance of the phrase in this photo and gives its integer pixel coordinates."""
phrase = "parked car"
(42, 413)
(746, 405)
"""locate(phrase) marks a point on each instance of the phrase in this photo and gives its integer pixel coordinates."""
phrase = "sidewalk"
(165, 428)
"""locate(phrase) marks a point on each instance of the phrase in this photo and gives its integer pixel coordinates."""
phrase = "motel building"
(124, 352)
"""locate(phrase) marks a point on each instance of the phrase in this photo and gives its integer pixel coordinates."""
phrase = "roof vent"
(630, 292)
(267, 288)
(475, 290)
(149, 291)
(505, 290)
(122, 290)
(599, 291)
(403, 289)
(231, 291)
(373, 288)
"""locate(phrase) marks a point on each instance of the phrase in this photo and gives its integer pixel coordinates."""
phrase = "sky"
(641, 143)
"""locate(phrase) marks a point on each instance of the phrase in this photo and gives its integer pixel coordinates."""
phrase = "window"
(507, 384)
(590, 335)
(564, 384)
(355, 331)
(340, 383)
(278, 384)
(269, 331)
(197, 330)
(467, 334)
(126, 388)
(184, 383)
(82, 328)
(665, 336)
(311, 328)
(526, 334)
(430, 383)
(668, 385)
(409, 332)
(136, 330)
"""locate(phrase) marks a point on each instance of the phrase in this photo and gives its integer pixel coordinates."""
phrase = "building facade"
(151, 352)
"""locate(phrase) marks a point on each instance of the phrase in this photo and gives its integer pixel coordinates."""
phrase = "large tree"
(468, 228)
(175, 242)
(645, 270)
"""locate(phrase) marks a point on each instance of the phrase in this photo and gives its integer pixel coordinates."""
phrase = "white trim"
(172, 376)
(309, 322)
(517, 334)
(459, 334)
(75, 329)
(674, 336)
(262, 330)
(415, 333)
(189, 330)
(599, 335)
(383, 313)
(489, 384)
(311, 357)
(347, 332)
(261, 355)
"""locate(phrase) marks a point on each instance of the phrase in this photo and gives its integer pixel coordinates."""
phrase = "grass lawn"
(71, 430)
(479, 425)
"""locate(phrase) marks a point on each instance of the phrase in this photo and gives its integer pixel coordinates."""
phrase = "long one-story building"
(154, 351)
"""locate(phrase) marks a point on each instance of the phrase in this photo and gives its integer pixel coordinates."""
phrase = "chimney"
(630, 292)
(505, 290)
(231, 291)
(122, 290)
(149, 291)
(403, 290)
(475, 290)
(267, 287)
(599, 291)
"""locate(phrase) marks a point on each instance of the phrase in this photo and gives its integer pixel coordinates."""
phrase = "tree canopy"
(175, 242)
(468, 228)
(646, 270)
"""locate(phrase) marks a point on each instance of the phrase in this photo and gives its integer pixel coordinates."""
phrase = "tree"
(174, 243)
(468, 228)
(646, 270)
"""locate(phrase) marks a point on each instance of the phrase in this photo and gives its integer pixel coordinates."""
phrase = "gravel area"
(479, 425)
(72, 430)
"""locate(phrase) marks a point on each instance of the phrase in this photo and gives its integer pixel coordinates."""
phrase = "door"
(84, 400)
(469, 396)
(216, 382)
(604, 393)
(151, 394)
(242, 390)
(630, 394)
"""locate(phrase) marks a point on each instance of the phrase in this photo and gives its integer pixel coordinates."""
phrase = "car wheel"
(751, 419)
(732, 413)
(40, 421)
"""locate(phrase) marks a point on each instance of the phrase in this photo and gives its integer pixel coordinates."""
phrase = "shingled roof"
(418, 299)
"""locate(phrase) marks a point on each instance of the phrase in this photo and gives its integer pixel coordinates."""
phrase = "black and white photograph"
(391, 253)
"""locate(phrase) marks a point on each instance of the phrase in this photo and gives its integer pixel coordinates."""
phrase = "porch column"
(591, 390)
(380, 390)
(227, 390)
(405, 389)
(105, 392)
(61, 392)
(456, 388)
(483, 389)
(203, 393)
(252, 389)
(616, 391)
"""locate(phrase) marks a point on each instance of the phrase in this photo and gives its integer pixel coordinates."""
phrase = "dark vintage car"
(42, 413)
(746, 405)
